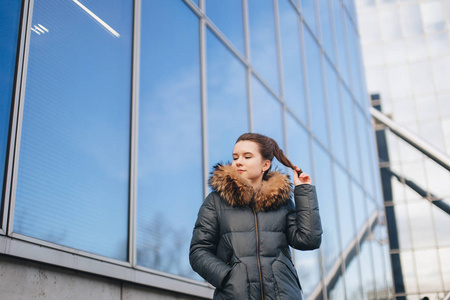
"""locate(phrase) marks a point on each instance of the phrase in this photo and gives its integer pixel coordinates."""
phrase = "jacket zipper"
(257, 255)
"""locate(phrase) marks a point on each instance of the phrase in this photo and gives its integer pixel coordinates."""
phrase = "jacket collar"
(235, 190)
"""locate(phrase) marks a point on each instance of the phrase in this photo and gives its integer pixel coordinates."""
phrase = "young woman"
(244, 228)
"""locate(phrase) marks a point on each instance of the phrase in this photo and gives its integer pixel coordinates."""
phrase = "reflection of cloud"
(169, 120)
(263, 41)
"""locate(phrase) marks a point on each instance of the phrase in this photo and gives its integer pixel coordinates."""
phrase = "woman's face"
(248, 162)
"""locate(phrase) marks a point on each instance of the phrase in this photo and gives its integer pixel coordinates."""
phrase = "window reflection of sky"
(228, 17)
(227, 100)
(335, 114)
(72, 186)
(170, 188)
(319, 122)
(263, 49)
(326, 29)
(341, 41)
(267, 115)
(324, 184)
(309, 13)
(345, 207)
(9, 27)
(294, 86)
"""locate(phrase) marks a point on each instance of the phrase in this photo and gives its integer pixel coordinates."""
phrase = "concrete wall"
(22, 279)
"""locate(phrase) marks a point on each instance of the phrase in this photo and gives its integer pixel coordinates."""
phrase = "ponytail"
(268, 148)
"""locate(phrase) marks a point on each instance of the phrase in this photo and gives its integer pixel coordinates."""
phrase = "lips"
(240, 171)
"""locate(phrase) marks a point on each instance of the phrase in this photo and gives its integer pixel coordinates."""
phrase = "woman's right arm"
(202, 253)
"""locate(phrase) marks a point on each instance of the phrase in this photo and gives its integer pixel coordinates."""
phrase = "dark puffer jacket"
(241, 239)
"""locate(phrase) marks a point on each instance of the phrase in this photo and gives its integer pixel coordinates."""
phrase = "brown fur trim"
(236, 191)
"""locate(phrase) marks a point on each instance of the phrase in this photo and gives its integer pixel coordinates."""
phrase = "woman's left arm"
(304, 228)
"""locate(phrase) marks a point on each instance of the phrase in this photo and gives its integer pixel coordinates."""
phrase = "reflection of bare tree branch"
(165, 248)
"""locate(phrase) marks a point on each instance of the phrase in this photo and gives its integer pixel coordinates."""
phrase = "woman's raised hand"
(300, 177)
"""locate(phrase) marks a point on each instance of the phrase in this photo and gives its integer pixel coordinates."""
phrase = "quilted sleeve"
(304, 230)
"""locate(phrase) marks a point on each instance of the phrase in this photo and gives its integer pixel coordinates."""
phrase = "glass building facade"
(114, 112)
(406, 49)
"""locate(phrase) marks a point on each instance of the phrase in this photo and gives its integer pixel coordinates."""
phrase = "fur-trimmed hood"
(274, 192)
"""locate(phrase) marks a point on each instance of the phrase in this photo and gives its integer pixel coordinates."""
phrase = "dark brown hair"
(268, 148)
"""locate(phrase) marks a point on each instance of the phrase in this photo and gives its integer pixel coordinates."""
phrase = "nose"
(238, 162)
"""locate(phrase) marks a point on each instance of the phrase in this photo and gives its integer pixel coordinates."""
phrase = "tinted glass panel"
(367, 274)
(315, 89)
(308, 269)
(336, 290)
(298, 144)
(359, 205)
(351, 134)
(9, 28)
(326, 28)
(345, 207)
(364, 151)
(263, 46)
(354, 63)
(309, 13)
(335, 113)
(379, 260)
(267, 113)
(341, 40)
(227, 16)
(227, 100)
(72, 185)
(325, 193)
(353, 286)
(169, 137)
(294, 87)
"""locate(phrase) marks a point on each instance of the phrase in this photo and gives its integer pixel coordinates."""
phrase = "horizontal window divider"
(102, 266)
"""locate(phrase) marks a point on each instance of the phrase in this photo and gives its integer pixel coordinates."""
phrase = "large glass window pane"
(422, 229)
(403, 226)
(353, 285)
(345, 207)
(169, 137)
(309, 14)
(365, 165)
(409, 272)
(317, 104)
(351, 134)
(308, 269)
(353, 48)
(444, 255)
(294, 87)
(228, 17)
(227, 96)
(72, 184)
(359, 206)
(326, 29)
(422, 77)
(367, 267)
(267, 113)
(263, 45)
(298, 144)
(341, 41)
(429, 277)
(433, 15)
(336, 290)
(411, 20)
(382, 274)
(441, 223)
(324, 182)
(390, 24)
(335, 113)
(9, 28)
